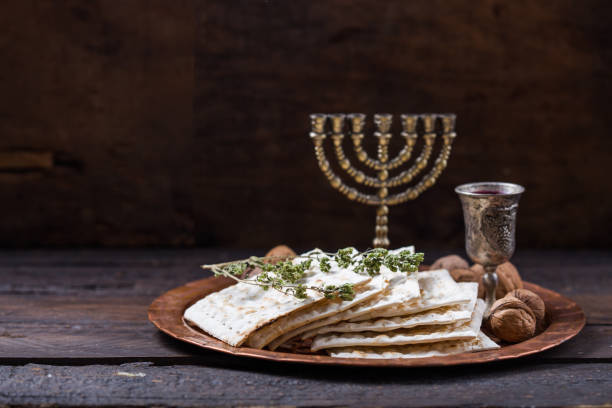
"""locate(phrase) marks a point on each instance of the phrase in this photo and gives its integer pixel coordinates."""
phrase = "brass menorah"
(432, 124)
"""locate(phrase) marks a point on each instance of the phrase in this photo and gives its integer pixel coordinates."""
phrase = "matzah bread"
(445, 315)
(235, 312)
(400, 288)
(443, 348)
(438, 288)
(394, 279)
(266, 334)
(310, 328)
(423, 334)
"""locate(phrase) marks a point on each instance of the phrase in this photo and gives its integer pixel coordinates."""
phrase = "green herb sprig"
(286, 276)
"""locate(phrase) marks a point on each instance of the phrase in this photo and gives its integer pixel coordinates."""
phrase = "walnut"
(507, 276)
(511, 320)
(280, 253)
(449, 263)
(464, 275)
(535, 303)
(509, 279)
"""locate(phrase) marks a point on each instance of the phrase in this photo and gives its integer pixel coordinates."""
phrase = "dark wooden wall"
(185, 123)
(95, 121)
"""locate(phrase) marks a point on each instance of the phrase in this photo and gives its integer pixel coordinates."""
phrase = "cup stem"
(490, 283)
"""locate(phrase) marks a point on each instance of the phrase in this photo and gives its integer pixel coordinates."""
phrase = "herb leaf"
(287, 276)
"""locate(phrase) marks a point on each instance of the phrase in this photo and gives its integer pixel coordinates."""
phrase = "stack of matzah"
(393, 315)
(235, 313)
(445, 319)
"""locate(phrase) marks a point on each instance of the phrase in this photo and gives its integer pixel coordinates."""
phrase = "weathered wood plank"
(270, 384)
(565, 271)
(25, 160)
(107, 327)
(22, 343)
(592, 343)
(584, 276)
(62, 305)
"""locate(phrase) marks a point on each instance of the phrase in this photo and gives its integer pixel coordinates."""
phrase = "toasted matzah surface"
(310, 328)
(445, 315)
(395, 278)
(373, 288)
(401, 287)
(233, 313)
(320, 310)
(423, 334)
(438, 288)
(442, 348)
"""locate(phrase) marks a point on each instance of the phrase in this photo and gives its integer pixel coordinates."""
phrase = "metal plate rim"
(166, 312)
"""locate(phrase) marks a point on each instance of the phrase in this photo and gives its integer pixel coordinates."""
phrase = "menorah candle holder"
(323, 125)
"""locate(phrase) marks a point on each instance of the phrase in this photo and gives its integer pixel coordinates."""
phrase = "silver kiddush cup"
(489, 212)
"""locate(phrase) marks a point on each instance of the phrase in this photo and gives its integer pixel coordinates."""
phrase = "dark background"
(185, 123)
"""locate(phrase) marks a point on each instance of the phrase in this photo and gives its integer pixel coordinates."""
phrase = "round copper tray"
(565, 317)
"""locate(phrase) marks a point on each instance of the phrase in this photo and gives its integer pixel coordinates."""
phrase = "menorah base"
(382, 229)
(381, 243)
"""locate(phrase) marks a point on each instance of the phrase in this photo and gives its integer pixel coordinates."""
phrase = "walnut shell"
(512, 320)
(464, 275)
(509, 279)
(449, 263)
(535, 303)
(507, 276)
(280, 253)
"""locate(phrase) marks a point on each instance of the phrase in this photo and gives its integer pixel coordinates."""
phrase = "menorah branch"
(357, 122)
(407, 176)
(318, 136)
(430, 178)
(337, 135)
(383, 122)
(383, 164)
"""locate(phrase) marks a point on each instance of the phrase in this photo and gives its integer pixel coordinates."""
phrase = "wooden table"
(74, 331)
